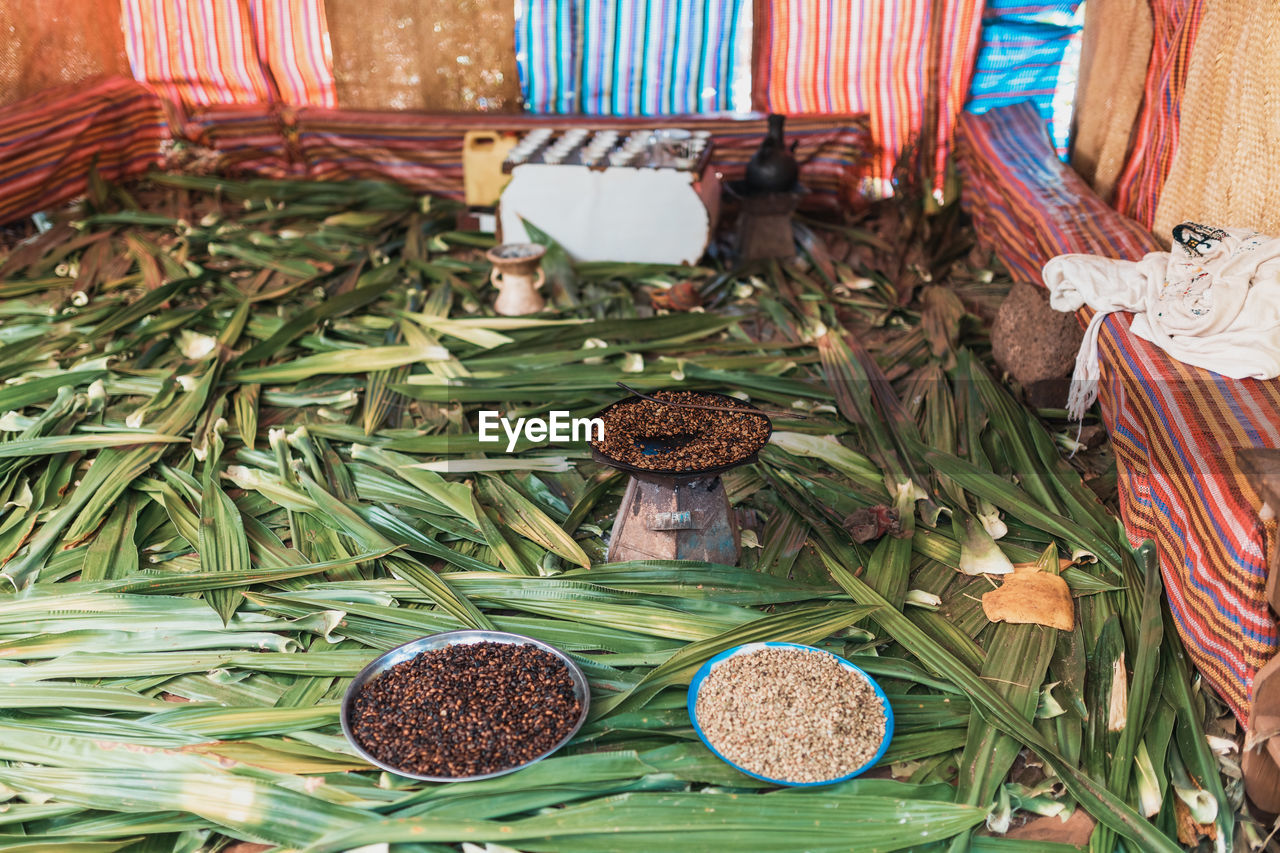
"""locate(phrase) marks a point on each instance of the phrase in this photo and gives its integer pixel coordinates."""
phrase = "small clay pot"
(518, 274)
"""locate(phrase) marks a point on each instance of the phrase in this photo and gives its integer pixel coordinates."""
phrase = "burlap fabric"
(432, 55)
(54, 42)
(1114, 53)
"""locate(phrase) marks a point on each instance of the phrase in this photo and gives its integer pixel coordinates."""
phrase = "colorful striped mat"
(248, 139)
(830, 56)
(1174, 428)
(634, 57)
(1155, 137)
(49, 142)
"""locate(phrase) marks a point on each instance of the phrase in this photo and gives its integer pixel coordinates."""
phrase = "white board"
(622, 213)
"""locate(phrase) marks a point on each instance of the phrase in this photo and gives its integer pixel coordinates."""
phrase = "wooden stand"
(675, 518)
(764, 226)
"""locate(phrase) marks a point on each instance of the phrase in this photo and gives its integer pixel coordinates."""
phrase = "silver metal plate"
(454, 638)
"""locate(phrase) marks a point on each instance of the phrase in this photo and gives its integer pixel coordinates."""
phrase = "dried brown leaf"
(1189, 831)
(1029, 597)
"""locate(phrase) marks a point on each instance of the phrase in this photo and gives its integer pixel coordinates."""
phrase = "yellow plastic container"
(483, 152)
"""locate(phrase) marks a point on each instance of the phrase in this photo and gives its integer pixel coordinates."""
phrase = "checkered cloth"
(1174, 428)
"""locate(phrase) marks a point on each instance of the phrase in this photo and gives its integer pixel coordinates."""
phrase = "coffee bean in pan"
(635, 431)
(467, 709)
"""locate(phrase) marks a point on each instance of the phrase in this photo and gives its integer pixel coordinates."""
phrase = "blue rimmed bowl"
(696, 686)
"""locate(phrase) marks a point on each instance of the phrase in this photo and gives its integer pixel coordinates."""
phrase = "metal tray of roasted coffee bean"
(411, 650)
(697, 471)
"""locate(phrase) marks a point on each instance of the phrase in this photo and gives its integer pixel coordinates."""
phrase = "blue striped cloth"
(633, 57)
(1029, 51)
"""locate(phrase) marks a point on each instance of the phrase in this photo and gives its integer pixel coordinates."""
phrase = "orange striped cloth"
(49, 142)
(830, 56)
(203, 52)
(292, 37)
(1173, 427)
(962, 34)
(194, 52)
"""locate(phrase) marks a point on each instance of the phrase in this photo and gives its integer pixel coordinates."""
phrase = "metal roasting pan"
(690, 473)
(455, 638)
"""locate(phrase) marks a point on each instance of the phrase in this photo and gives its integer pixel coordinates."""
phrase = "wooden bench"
(1177, 430)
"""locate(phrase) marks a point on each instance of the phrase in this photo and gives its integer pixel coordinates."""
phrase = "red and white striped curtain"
(203, 52)
(851, 56)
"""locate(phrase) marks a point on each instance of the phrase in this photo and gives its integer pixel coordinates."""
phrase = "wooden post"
(932, 97)
(1260, 760)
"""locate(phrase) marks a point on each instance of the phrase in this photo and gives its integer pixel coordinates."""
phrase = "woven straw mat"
(1224, 171)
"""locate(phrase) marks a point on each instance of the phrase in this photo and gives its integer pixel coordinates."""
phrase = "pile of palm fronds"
(238, 461)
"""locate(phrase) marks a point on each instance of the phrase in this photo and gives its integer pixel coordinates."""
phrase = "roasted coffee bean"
(699, 438)
(467, 709)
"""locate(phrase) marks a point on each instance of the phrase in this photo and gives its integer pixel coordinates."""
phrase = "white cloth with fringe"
(1212, 302)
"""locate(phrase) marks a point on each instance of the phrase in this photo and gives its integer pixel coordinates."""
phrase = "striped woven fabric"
(203, 52)
(195, 52)
(1173, 427)
(292, 39)
(831, 56)
(425, 152)
(247, 139)
(49, 142)
(1037, 191)
(546, 56)
(1021, 55)
(631, 57)
(962, 24)
(1155, 136)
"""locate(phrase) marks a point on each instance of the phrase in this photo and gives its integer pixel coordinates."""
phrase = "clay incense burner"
(518, 274)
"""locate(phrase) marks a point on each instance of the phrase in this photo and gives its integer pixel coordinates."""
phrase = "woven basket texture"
(1224, 171)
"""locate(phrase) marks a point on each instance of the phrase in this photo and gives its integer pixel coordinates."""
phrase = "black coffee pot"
(773, 168)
